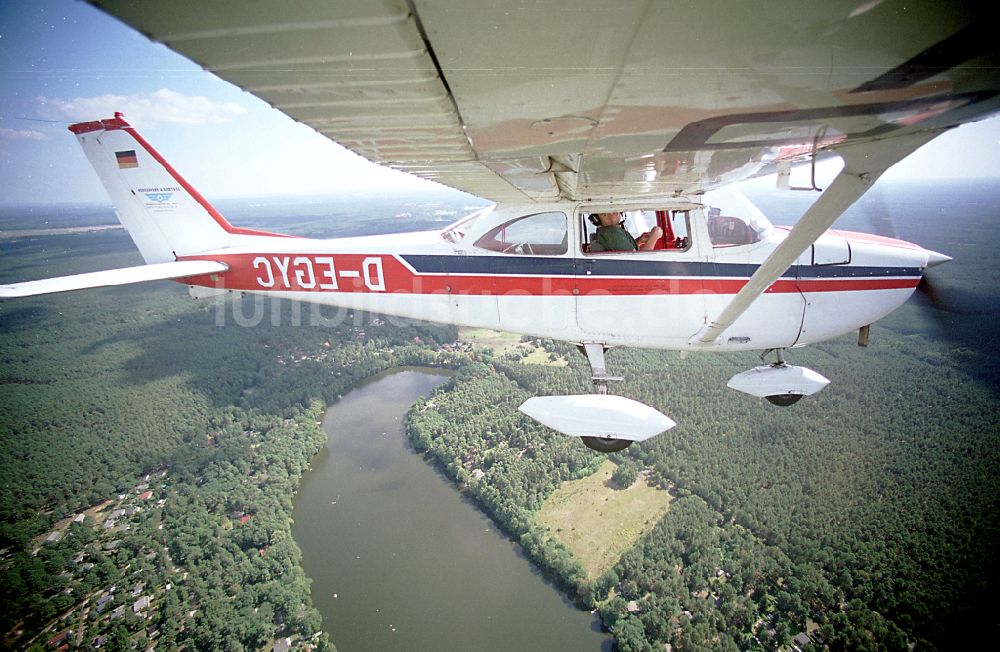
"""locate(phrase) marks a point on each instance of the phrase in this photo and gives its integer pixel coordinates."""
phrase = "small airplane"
(631, 140)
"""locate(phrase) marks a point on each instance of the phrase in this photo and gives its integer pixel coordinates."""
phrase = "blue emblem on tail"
(159, 197)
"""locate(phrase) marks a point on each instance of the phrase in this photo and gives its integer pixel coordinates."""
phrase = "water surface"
(399, 560)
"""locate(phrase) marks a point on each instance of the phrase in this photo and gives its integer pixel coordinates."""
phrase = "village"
(119, 573)
(137, 575)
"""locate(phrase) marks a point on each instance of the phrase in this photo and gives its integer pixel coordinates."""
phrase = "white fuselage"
(656, 299)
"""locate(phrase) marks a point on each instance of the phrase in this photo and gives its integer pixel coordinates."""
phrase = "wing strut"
(863, 165)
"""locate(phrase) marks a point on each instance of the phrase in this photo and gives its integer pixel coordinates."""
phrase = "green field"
(484, 338)
(541, 356)
(598, 521)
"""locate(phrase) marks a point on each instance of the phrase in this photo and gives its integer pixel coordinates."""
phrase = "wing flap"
(123, 276)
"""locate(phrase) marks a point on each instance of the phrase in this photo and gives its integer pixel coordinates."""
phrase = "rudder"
(163, 214)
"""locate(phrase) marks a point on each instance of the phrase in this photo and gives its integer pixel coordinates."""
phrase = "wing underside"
(520, 101)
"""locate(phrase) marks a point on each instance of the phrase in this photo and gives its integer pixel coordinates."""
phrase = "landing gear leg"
(599, 376)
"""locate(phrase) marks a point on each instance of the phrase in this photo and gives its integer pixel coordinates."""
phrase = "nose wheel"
(781, 384)
(781, 400)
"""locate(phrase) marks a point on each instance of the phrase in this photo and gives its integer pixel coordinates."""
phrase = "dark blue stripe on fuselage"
(547, 266)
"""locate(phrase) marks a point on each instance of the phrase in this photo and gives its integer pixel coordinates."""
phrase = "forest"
(179, 443)
(863, 519)
(784, 520)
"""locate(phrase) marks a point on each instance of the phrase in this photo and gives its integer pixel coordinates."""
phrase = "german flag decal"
(127, 159)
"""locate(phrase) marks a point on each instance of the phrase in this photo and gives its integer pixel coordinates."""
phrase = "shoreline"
(15, 234)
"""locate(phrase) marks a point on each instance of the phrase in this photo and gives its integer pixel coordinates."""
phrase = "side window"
(729, 231)
(662, 229)
(732, 219)
(542, 234)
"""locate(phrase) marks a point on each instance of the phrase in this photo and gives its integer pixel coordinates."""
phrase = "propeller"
(939, 304)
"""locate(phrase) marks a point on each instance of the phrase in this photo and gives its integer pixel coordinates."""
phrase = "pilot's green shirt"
(613, 238)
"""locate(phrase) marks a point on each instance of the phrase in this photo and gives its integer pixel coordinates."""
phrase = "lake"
(400, 560)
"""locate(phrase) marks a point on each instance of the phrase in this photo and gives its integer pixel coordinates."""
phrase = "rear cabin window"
(638, 223)
(541, 234)
(732, 219)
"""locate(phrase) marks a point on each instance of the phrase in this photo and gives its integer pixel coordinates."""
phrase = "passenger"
(612, 236)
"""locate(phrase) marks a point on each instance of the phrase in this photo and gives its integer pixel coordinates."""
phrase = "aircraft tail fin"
(165, 216)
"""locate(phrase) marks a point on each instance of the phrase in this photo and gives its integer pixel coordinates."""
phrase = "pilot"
(612, 236)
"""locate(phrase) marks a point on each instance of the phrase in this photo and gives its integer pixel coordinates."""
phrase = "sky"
(63, 61)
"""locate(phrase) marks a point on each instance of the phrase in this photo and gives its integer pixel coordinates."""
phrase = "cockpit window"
(541, 234)
(635, 230)
(456, 232)
(732, 219)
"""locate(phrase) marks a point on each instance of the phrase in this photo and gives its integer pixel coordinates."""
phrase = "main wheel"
(606, 444)
(784, 400)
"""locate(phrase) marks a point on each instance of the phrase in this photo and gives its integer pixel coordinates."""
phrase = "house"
(146, 495)
(800, 641)
(102, 602)
(118, 612)
(633, 607)
(59, 639)
(78, 519)
(53, 537)
(138, 588)
(284, 645)
(478, 474)
(141, 604)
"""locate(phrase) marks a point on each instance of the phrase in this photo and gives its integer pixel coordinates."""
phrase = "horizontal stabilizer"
(124, 276)
(597, 415)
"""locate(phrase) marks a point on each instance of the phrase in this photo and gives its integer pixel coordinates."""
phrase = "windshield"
(733, 219)
(456, 232)
(541, 234)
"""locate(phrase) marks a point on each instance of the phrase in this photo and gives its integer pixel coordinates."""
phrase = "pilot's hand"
(648, 240)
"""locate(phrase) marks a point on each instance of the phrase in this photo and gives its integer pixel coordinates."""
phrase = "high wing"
(591, 99)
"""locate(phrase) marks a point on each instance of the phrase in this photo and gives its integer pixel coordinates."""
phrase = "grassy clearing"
(597, 521)
(541, 356)
(484, 338)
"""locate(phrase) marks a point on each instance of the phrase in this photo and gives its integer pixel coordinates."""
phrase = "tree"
(625, 475)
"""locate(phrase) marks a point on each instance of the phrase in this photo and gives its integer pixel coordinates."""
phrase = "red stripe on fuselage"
(388, 274)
